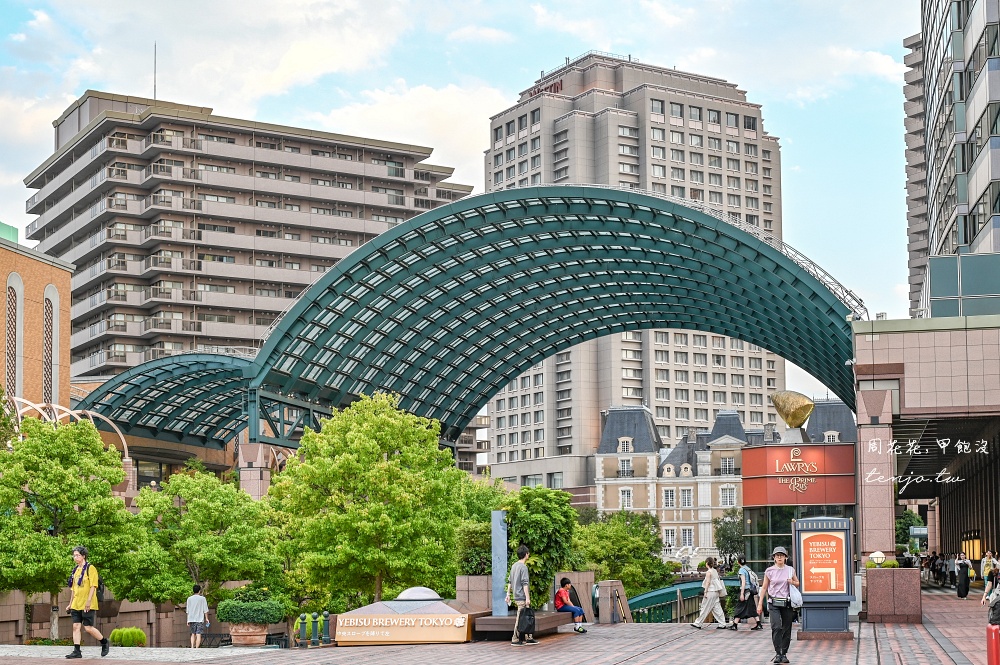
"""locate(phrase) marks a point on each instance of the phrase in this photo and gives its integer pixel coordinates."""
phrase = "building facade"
(195, 232)
(36, 311)
(686, 486)
(953, 141)
(608, 120)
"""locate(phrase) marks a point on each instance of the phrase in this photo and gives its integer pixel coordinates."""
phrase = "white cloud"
(480, 34)
(453, 120)
(18, 37)
(666, 14)
(592, 31)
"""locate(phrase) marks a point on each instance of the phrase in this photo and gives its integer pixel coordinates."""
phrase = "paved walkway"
(953, 633)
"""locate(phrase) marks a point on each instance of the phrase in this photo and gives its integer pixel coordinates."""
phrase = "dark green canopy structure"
(446, 307)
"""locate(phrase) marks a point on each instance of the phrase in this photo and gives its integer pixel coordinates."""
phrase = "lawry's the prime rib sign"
(803, 474)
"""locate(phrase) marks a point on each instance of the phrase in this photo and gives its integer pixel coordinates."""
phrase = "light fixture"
(878, 557)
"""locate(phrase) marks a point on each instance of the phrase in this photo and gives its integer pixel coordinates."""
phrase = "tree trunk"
(54, 617)
(378, 588)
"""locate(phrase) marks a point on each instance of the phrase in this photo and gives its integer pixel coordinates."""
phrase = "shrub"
(892, 563)
(474, 548)
(127, 637)
(309, 625)
(48, 642)
(251, 604)
(870, 564)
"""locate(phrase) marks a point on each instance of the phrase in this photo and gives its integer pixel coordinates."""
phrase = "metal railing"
(572, 61)
(850, 299)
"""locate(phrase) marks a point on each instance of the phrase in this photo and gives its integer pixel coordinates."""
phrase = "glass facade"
(770, 526)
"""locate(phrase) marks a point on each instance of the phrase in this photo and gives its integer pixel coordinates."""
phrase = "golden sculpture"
(794, 408)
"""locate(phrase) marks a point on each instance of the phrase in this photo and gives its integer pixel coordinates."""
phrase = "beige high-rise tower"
(610, 120)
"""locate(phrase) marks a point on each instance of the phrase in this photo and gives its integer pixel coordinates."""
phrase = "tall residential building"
(194, 232)
(610, 120)
(953, 142)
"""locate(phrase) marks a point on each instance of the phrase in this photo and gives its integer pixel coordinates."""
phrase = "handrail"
(850, 299)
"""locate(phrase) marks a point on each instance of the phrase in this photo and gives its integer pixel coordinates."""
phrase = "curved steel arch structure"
(445, 308)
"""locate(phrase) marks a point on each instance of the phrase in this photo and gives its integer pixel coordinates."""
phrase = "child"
(563, 604)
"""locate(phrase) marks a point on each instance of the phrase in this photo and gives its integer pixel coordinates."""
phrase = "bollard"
(326, 627)
(315, 637)
(993, 645)
(302, 632)
(680, 606)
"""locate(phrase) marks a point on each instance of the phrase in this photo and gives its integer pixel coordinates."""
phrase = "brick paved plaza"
(953, 632)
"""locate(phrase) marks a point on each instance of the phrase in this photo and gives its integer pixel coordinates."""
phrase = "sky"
(431, 72)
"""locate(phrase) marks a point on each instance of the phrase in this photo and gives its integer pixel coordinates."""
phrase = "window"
(658, 134)
(660, 171)
(659, 152)
(750, 149)
(727, 496)
(625, 498)
(701, 396)
(701, 378)
(715, 197)
(714, 144)
(696, 140)
(732, 120)
(831, 437)
(756, 382)
(536, 116)
(669, 500)
(217, 139)
(628, 131)
(728, 466)
(663, 375)
(656, 106)
(701, 359)
(749, 123)
(715, 179)
(563, 394)
(733, 200)
(536, 143)
(687, 499)
(682, 394)
(628, 168)
(631, 392)
(677, 156)
(694, 113)
(697, 177)
(677, 137)
(714, 117)
(676, 110)
(625, 446)
(687, 536)
(675, 173)
(663, 412)
(663, 393)
(765, 154)
(522, 122)
(536, 161)
(510, 128)
(677, 191)
(682, 413)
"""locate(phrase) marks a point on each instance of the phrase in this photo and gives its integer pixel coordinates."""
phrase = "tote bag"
(795, 595)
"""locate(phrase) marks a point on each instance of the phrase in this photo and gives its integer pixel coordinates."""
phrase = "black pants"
(781, 628)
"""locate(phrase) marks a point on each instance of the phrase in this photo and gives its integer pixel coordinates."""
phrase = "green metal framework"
(445, 308)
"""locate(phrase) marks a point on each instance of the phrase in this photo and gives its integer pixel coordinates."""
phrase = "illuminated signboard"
(360, 629)
(823, 562)
(806, 474)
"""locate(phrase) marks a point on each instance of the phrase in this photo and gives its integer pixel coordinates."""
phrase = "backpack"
(99, 591)
(753, 583)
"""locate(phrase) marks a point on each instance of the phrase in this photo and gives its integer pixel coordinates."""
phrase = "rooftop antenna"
(154, 71)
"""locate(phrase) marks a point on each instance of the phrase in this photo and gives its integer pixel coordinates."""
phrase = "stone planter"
(248, 634)
(893, 595)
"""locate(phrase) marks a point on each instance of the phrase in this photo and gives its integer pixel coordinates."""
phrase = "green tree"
(729, 530)
(474, 548)
(903, 524)
(543, 520)
(375, 496)
(477, 499)
(56, 493)
(202, 531)
(587, 515)
(7, 428)
(625, 546)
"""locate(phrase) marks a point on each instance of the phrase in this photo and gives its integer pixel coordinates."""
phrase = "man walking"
(197, 615)
(83, 605)
(518, 585)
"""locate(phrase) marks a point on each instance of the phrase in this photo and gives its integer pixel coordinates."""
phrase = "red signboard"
(824, 561)
(808, 474)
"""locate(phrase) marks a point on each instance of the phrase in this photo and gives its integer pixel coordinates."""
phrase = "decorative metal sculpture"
(794, 408)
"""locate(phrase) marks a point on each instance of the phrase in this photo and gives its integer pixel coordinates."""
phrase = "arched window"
(48, 321)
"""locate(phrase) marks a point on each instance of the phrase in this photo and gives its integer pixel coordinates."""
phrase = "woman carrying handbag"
(778, 581)
(714, 589)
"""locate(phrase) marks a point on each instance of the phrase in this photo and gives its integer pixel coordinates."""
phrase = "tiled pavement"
(953, 632)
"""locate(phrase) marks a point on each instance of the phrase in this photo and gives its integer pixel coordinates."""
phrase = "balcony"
(626, 473)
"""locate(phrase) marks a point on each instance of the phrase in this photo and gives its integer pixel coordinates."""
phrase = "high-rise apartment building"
(192, 231)
(952, 146)
(609, 120)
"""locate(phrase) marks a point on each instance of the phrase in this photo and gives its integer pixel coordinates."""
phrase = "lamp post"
(878, 557)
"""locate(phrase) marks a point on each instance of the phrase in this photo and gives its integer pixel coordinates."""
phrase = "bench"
(502, 628)
(279, 640)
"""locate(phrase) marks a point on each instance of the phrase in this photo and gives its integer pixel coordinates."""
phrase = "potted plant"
(249, 612)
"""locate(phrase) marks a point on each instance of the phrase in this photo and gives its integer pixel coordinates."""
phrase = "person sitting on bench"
(564, 604)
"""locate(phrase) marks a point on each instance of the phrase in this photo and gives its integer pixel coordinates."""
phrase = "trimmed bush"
(251, 604)
(892, 563)
(48, 642)
(309, 626)
(127, 637)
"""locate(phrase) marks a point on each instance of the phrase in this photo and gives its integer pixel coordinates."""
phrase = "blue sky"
(829, 77)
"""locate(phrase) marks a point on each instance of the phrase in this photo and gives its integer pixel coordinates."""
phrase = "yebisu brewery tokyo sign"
(802, 474)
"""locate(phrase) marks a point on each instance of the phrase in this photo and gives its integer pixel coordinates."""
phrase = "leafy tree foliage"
(373, 499)
(625, 546)
(474, 548)
(729, 530)
(542, 519)
(477, 499)
(56, 493)
(903, 524)
(202, 531)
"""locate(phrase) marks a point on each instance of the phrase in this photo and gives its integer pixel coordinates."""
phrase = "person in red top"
(564, 604)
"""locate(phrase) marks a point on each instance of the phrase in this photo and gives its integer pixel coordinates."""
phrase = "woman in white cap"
(777, 579)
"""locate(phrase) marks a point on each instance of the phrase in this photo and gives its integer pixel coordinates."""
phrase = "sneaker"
(784, 658)
(105, 647)
(758, 627)
(580, 630)
(531, 640)
(694, 625)
(519, 643)
(75, 654)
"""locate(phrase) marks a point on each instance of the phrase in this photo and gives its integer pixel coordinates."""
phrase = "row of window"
(514, 455)
(696, 340)
(513, 127)
(697, 114)
(727, 499)
(524, 401)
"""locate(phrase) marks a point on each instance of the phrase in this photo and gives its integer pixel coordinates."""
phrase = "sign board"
(362, 629)
(823, 560)
(804, 475)
(918, 532)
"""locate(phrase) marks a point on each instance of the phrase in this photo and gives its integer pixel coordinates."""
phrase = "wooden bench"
(502, 628)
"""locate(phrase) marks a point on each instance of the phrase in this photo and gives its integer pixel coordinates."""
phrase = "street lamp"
(878, 557)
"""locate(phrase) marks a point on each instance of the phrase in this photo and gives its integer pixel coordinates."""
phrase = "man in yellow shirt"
(83, 605)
